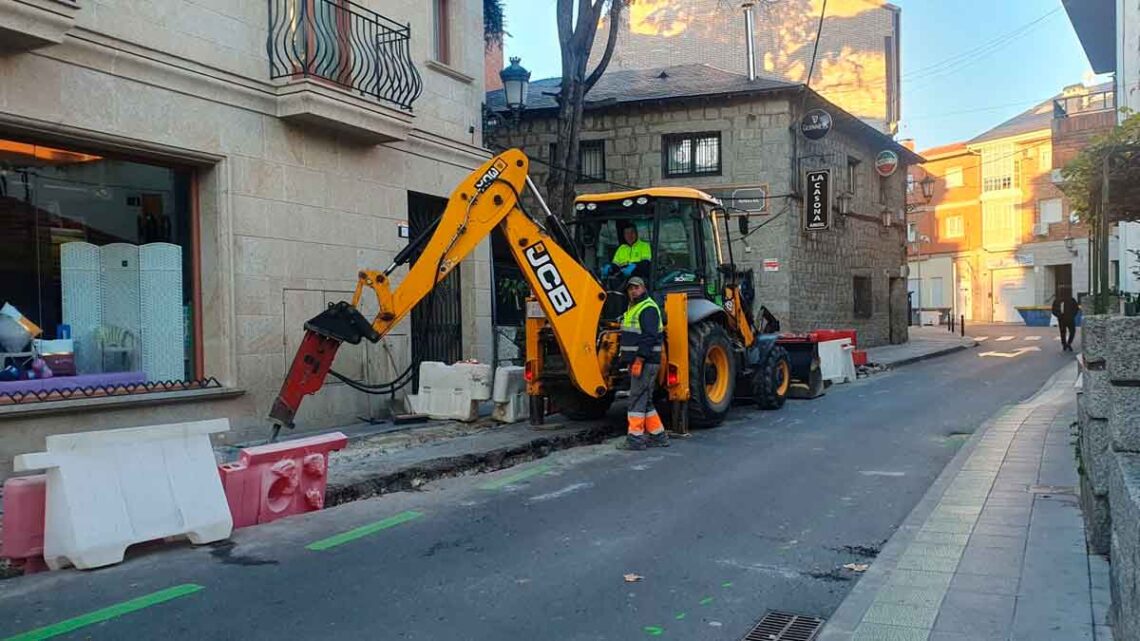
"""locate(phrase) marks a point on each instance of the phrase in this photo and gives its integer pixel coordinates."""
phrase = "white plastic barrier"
(452, 391)
(836, 362)
(929, 317)
(108, 490)
(509, 395)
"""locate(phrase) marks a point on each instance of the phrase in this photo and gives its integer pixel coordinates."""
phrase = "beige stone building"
(184, 182)
(739, 140)
(857, 66)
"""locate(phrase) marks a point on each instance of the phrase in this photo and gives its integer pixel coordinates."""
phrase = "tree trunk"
(577, 39)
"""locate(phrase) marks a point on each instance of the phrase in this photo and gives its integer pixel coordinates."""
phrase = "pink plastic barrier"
(269, 482)
(23, 534)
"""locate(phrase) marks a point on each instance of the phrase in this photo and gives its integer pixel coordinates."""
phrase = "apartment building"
(1018, 242)
(184, 182)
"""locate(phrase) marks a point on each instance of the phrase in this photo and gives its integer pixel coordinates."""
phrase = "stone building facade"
(811, 277)
(288, 159)
(856, 68)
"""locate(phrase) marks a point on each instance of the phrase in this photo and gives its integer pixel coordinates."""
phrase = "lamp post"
(927, 185)
(516, 86)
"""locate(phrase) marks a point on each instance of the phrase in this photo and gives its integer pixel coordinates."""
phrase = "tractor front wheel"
(772, 379)
(712, 374)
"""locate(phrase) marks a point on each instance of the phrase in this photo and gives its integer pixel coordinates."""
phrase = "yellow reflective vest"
(634, 253)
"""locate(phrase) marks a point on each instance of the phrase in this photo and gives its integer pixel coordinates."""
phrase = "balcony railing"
(340, 42)
(1088, 103)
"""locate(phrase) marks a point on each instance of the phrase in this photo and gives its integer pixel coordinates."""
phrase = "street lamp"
(516, 85)
(927, 188)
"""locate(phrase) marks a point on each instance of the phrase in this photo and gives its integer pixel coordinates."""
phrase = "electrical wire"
(815, 48)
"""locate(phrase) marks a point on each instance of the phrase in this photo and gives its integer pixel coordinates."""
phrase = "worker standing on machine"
(630, 255)
(641, 338)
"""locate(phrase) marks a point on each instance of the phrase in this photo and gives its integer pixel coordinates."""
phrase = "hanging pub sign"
(886, 162)
(817, 204)
(815, 124)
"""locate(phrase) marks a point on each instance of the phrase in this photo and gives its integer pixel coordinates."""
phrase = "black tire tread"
(764, 380)
(701, 413)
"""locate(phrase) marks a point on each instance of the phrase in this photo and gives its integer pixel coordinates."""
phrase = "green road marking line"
(707, 600)
(108, 613)
(364, 530)
(653, 630)
(726, 584)
(680, 615)
(499, 484)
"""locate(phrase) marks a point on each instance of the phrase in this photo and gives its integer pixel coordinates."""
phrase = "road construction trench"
(106, 614)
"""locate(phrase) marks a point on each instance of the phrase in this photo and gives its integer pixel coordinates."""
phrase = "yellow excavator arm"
(569, 295)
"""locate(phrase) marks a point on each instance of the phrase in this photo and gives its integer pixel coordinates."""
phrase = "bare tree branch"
(611, 43)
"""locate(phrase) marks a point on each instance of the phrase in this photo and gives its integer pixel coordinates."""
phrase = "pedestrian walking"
(1065, 308)
(641, 338)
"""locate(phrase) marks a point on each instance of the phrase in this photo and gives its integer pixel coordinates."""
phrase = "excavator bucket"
(340, 323)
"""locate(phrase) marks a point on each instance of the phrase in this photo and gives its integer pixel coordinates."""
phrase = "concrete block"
(1095, 392)
(1098, 519)
(107, 490)
(509, 395)
(1124, 417)
(1094, 337)
(452, 391)
(1123, 355)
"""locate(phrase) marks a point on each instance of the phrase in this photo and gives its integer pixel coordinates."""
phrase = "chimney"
(749, 35)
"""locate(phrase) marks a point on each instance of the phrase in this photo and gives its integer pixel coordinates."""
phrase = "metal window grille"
(591, 161)
(343, 43)
(695, 154)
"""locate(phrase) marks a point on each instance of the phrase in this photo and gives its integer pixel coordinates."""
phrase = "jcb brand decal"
(549, 278)
(486, 179)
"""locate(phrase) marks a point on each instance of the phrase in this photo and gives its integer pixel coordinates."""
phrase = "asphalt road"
(758, 514)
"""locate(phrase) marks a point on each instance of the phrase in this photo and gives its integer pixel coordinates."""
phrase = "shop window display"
(95, 271)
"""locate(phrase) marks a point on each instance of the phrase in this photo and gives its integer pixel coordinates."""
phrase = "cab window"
(676, 262)
(712, 254)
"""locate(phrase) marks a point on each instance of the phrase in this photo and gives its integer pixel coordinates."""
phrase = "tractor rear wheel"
(578, 406)
(772, 379)
(712, 374)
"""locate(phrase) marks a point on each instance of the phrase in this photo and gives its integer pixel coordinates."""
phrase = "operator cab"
(678, 228)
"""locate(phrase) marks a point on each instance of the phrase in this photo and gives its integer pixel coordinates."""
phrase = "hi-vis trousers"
(642, 416)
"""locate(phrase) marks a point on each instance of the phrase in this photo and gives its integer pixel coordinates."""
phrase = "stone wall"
(813, 287)
(1109, 446)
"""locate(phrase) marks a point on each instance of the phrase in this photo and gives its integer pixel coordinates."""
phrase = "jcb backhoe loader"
(712, 350)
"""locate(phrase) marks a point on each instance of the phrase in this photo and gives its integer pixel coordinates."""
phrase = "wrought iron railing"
(343, 43)
(117, 389)
(1088, 103)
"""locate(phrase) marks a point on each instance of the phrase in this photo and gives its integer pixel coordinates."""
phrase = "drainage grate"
(785, 626)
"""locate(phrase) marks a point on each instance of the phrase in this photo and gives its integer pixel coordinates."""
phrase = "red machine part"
(306, 375)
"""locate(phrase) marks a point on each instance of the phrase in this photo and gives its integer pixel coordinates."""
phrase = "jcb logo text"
(549, 278)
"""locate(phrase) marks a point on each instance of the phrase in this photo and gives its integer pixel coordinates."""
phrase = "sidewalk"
(996, 548)
(924, 343)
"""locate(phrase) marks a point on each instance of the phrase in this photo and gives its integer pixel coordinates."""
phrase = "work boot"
(633, 442)
(660, 439)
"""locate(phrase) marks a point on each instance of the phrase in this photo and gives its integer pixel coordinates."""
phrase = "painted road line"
(981, 339)
(1032, 338)
(364, 530)
(108, 613)
(499, 484)
(1003, 338)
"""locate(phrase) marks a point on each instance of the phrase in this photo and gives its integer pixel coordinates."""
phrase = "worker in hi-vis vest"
(631, 254)
(641, 338)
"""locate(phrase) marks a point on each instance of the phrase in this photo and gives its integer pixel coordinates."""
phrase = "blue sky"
(945, 98)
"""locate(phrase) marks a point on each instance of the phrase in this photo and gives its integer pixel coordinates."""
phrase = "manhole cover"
(785, 626)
